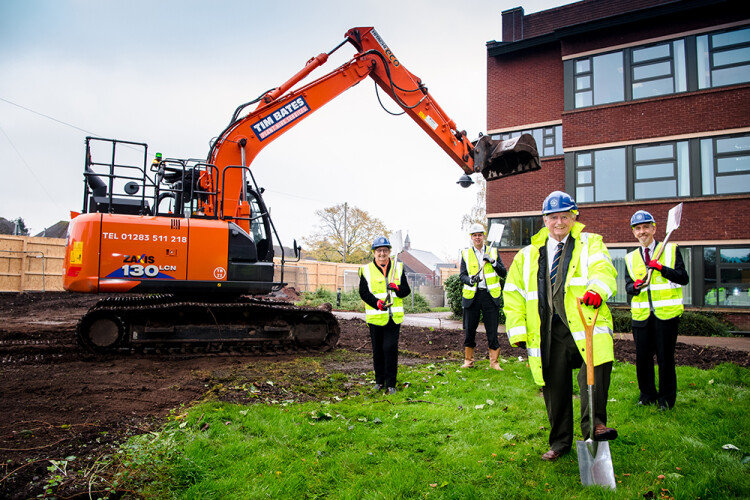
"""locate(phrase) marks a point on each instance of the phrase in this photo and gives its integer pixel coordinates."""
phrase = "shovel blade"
(596, 465)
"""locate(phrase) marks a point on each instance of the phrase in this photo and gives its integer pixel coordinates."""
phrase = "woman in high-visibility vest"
(382, 287)
(656, 309)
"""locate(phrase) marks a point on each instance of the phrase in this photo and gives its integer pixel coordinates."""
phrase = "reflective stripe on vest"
(378, 286)
(590, 268)
(490, 276)
(666, 296)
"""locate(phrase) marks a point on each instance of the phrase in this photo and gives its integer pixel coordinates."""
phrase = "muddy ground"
(58, 401)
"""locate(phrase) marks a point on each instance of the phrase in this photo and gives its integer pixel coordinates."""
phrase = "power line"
(28, 167)
(48, 117)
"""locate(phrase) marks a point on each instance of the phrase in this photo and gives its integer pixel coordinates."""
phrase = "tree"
(345, 234)
(21, 228)
(478, 213)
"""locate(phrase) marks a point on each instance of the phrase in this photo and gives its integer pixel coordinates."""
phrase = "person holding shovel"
(656, 307)
(481, 272)
(562, 265)
(382, 286)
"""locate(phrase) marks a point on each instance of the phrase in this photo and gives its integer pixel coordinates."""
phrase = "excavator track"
(168, 324)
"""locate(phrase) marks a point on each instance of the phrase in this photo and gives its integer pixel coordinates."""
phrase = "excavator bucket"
(495, 158)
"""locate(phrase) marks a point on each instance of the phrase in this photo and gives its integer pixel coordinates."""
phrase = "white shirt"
(480, 258)
(552, 250)
(651, 249)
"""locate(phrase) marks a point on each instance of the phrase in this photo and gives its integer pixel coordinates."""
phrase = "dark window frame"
(549, 138)
(691, 54)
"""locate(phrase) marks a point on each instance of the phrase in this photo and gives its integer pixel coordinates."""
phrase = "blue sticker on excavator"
(282, 117)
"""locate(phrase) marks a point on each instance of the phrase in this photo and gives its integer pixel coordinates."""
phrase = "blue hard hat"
(380, 241)
(641, 217)
(558, 201)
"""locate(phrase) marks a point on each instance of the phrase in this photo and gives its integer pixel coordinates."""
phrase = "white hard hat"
(476, 228)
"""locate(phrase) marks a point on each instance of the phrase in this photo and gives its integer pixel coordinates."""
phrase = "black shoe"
(663, 407)
(378, 387)
(390, 390)
(604, 433)
(646, 402)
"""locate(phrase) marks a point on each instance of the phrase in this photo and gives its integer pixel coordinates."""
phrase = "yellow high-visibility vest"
(666, 296)
(490, 276)
(590, 268)
(378, 286)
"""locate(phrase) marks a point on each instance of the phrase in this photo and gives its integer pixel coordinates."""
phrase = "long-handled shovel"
(594, 457)
(494, 237)
(673, 222)
(397, 246)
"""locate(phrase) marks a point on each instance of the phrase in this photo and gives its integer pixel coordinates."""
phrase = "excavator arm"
(282, 108)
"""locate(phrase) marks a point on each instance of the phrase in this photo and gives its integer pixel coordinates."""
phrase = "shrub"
(696, 324)
(622, 320)
(350, 301)
(420, 304)
(453, 287)
(454, 292)
(702, 324)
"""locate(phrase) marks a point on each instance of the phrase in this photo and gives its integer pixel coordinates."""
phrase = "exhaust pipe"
(97, 186)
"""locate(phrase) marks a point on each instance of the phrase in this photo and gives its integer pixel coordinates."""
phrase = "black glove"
(521, 345)
(489, 259)
(475, 279)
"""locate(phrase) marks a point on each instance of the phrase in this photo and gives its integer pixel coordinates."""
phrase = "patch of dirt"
(59, 401)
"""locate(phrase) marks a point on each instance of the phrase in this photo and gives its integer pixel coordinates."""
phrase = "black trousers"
(484, 304)
(564, 357)
(656, 338)
(385, 352)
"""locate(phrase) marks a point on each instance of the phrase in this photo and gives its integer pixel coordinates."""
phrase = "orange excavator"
(185, 247)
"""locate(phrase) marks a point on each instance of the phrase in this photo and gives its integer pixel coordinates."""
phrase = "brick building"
(634, 105)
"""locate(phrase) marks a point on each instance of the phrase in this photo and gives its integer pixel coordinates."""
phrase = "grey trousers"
(563, 358)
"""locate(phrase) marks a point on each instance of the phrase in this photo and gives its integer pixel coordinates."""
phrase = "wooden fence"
(31, 264)
(36, 264)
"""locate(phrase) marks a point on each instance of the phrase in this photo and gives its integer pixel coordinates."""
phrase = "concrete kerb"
(441, 321)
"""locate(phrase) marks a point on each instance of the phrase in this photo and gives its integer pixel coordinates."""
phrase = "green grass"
(446, 434)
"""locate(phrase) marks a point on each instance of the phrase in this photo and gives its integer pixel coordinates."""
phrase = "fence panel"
(31, 263)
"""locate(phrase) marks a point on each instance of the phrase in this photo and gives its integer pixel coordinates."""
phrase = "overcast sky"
(171, 73)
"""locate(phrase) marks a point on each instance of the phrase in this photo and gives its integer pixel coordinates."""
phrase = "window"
(518, 230)
(685, 64)
(599, 80)
(716, 165)
(658, 69)
(618, 260)
(723, 58)
(548, 139)
(661, 171)
(725, 165)
(601, 176)
(726, 276)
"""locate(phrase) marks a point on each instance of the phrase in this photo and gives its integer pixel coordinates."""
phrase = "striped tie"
(556, 263)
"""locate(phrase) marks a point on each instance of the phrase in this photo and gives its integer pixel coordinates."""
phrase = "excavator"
(184, 249)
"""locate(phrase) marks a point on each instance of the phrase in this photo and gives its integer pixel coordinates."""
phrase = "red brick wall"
(526, 192)
(696, 112)
(702, 219)
(525, 89)
(649, 28)
(545, 22)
